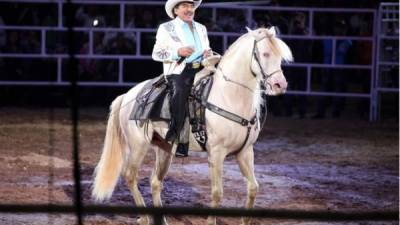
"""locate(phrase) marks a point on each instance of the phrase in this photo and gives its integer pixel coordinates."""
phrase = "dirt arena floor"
(345, 165)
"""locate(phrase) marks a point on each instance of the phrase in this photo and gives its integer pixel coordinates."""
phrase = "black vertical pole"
(50, 182)
(74, 94)
(158, 218)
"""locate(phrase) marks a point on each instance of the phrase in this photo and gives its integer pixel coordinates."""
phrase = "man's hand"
(207, 53)
(185, 51)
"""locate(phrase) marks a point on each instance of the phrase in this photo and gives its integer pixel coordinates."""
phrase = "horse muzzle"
(279, 87)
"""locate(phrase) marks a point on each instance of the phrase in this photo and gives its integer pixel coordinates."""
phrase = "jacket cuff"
(175, 55)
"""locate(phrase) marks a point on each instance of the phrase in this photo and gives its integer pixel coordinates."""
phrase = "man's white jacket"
(169, 39)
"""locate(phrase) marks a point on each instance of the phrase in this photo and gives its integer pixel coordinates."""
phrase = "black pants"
(181, 86)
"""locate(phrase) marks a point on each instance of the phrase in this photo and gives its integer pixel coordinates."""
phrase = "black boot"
(172, 133)
(182, 150)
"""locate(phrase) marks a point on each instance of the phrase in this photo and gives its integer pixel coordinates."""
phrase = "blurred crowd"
(293, 23)
(227, 20)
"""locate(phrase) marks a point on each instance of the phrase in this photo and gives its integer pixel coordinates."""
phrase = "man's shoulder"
(167, 24)
(199, 25)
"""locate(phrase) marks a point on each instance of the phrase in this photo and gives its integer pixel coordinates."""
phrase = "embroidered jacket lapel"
(179, 32)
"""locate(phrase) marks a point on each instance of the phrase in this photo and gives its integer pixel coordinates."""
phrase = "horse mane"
(279, 47)
(232, 48)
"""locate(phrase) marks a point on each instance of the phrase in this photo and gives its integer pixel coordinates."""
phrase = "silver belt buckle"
(195, 65)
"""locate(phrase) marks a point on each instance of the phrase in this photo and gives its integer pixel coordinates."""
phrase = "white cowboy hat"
(169, 6)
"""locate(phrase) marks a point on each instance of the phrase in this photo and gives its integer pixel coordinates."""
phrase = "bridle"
(255, 55)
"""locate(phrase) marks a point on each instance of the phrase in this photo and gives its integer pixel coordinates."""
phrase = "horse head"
(268, 53)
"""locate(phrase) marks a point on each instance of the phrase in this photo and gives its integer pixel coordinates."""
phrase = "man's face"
(185, 11)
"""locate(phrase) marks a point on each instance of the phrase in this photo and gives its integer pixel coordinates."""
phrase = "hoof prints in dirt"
(175, 192)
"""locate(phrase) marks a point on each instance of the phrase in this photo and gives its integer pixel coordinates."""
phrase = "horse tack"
(154, 97)
(203, 88)
(264, 75)
(158, 141)
(200, 90)
(199, 103)
(255, 55)
(150, 103)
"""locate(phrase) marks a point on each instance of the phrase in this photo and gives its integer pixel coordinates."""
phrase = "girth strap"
(228, 115)
(234, 118)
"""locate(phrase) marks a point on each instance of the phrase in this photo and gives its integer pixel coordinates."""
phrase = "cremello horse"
(253, 61)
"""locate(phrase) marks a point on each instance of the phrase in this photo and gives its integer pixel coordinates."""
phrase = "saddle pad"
(152, 102)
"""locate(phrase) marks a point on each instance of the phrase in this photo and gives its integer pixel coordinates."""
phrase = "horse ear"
(252, 32)
(271, 31)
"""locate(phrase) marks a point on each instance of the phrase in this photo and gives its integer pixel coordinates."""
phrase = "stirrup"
(182, 150)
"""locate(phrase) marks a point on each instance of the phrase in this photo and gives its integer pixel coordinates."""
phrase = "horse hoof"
(211, 221)
(164, 221)
(143, 221)
(245, 221)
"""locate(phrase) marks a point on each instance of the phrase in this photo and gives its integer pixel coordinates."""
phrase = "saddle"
(151, 101)
(152, 104)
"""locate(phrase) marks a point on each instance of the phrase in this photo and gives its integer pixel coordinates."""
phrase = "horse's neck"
(229, 94)
(236, 66)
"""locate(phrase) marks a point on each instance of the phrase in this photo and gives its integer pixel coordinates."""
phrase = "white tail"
(110, 165)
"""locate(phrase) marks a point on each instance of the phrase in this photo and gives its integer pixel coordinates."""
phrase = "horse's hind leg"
(131, 174)
(246, 163)
(163, 161)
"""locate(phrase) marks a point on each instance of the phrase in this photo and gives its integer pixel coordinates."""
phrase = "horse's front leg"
(215, 163)
(246, 163)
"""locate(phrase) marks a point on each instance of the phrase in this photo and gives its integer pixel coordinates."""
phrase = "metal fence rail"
(388, 14)
(157, 213)
(249, 10)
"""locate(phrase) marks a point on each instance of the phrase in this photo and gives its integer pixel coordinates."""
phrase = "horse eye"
(266, 54)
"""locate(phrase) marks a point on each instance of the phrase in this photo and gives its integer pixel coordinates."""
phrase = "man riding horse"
(181, 44)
